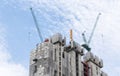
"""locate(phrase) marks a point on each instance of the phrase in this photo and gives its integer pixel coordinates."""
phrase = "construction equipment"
(36, 24)
(71, 35)
(86, 45)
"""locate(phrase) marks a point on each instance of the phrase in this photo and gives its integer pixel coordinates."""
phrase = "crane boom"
(36, 24)
(92, 33)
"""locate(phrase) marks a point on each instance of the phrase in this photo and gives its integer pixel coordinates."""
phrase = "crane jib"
(36, 24)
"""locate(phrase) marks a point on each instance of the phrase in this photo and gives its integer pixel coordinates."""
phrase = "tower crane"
(86, 43)
(39, 33)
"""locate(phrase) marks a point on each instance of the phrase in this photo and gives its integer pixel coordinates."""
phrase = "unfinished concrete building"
(54, 58)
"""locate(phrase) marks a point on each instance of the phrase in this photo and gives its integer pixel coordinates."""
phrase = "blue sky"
(18, 35)
(18, 24)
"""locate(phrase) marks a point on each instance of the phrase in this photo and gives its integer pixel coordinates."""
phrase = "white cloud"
(7, 66)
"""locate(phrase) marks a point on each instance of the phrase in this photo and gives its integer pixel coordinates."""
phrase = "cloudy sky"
(18, 35)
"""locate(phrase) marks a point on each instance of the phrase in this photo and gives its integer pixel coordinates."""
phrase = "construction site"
(54, 57)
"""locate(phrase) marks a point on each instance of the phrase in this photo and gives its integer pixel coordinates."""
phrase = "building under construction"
(54, 57)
